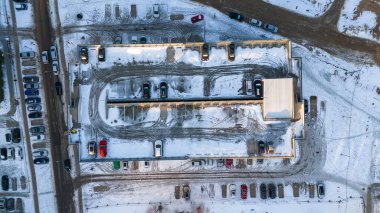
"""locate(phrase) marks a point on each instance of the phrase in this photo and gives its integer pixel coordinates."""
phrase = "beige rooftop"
(278, 99)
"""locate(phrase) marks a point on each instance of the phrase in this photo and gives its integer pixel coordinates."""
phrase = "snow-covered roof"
(278, 98)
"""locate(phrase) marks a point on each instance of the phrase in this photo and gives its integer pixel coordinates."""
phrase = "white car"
(19, 154)
(156, 13)
(53, 53)
(233, 190)
(40, 153)
(55, 67)
(125, 165)
(44, 57)
(255, 22)
(158, 149)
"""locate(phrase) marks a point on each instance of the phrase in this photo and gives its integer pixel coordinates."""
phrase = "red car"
(197, 18)
(243, 190)
(103, 148)
(229, 162)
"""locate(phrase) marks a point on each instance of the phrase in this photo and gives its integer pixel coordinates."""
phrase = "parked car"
(117, 40)
(156, 12)
(255, 22)
(92, 148)
(16, 135)
(271, 28)
(306, 106)
(40, 153)
(44, 57)
(260, 161)
(229, 162)
(53, 53)
(196, 163)
(10, 204)
(163, 90)
(143, 40)
(21, 1)
(258, 87)
(263, 191)
(233, 190)
(32, 92)
(158, 149)
(101, 54)
(43, 160)
(205, 50)
(3, 153)
(31, 86)
(21, 6)
(31, 79)
(248, 86)
(55, 67)
(134, 40)
(186, 192)
(58, 88)
(103, 148)
(261, 147)
(36, 130)
(84, 55)
(11, 153)
(3, 203)
(35, 115)
(321, 190)
(236, 16)
(5, 182)
(8, 137)
(125, 165)
(67, 164)
(220, 163)
(19, 153)
(270, 148)
(231, 52)
(272, 190)
(34, 100)
(34, 108)
(243, 190)
(146, 90)
(29, 54)
(197, 18)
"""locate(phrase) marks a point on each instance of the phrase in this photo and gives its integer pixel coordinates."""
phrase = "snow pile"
(309, 8)
(360, 23)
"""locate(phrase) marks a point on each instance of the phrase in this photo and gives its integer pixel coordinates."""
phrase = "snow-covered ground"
(25, 18)
(358, 18)
(5, 104)
(5, 17)
(311, 8)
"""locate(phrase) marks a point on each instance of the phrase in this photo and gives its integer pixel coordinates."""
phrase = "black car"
(32, 92)
(260, 161)
(16, 135)
(84, 55)
(8, 137)
(10, 204)
(21, 7)
(3, 153)
(43, 160)
(205, 54)
(58, 88)
(146, 90)
(36, 130)
(34, 100)
(306, 105)
(258, 87)
(21, 1)
(101, 54)
(163, 90)
(261, 145)
(236, 16)
(67, 164)
(263, 191)
(35, 115)
(142, 40)
(5, 182)
(231, 52)
(272, 191)
(31, 79)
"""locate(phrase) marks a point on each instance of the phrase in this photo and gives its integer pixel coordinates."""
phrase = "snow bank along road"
(321, 32)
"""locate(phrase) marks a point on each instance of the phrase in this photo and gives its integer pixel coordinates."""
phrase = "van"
(248, 87)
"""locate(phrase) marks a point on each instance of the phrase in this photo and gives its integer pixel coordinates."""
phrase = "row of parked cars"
(53, 57)
(254, 22)
(9, 204)
(254, 87)
(92, 148)
(205, 49)
(147, 87)
(11, 153)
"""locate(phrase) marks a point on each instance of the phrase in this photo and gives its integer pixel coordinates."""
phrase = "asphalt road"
(320, 32)
(63, 182)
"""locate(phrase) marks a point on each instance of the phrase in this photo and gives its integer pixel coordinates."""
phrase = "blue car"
(31, 92)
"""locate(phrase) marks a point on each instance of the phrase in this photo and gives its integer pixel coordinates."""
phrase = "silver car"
(37, 130)
(53, 53)
(271, 28)
(44, 57)
(55, 67)
(255, 22)
(40, 153)
(34, 108)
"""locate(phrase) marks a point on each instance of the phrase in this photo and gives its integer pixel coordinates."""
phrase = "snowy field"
(207, 196)
(25, 18)
(360, 19)
(311, 8)
(5, 104)
(4, 11)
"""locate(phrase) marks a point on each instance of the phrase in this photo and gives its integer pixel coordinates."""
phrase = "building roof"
(278, 98)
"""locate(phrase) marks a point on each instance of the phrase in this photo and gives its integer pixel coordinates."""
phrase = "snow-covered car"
(321, 190)
(31, 86)
(186, 192)
(158, 149)
(19, 153)
(34, 108)
(156, 12)
(255, 22)
(11, 153)
(55, 66)
(43, 160)
(103, 148)
(44, 57)
(233, 190)
(40, 153)
(134, 40)
(53, 53)
(84, 55)
(34, 100)
(125, 165)
(197, 18)
(271, 28)
(32, 92)
(36, 130)
(29, 54)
